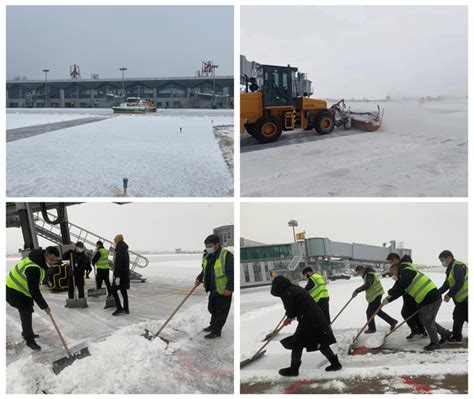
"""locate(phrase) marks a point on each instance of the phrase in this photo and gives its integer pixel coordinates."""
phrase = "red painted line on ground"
(197, 372)
(417, 386)
(294, 387)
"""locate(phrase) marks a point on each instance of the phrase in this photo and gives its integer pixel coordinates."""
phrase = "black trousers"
(409, 307)
(219, 308)
(103, 276)
(324, 305)
(79, 277)
(123, 291)
(297, 354)
(24, 305)
(26, 318)
(460, 313)
(372, 307)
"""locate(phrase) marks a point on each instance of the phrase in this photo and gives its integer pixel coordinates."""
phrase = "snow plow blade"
(370, 121)
(257, 356)
(94, 292)
(61, 364)
(76, 303)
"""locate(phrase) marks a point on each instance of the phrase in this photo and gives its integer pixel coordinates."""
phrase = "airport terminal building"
(184, 92)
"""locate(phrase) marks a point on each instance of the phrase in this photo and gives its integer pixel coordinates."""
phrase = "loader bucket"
(76, 303)
(61, 364)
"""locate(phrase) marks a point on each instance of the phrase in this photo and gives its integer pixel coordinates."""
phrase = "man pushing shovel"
(217, 276)
(23, 287)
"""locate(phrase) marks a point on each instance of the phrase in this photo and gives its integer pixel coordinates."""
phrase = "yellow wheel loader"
(270, 105)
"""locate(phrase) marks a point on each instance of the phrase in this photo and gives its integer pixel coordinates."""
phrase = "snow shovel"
(342, 310)
(150, 336)
(95, 292)
(261, 351)
(401, 324)
(270, 335)
(351, 347)
(109, 302)
(61, 364)
(75, 302)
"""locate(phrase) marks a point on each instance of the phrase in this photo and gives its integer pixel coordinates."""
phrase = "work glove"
(386, 301)
(354, 294)
(287, 321)
(117, 281)
(447, 298)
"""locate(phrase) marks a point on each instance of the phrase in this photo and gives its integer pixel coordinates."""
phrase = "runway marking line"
(294, 387)
(416, 385)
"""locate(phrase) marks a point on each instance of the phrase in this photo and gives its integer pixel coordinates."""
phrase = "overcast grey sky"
(363, 51)
(426, 228)
(146, 226)
(151, 41)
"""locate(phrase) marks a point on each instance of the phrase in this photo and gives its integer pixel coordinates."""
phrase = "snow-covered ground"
(420, 151)
(17, 118)
(398, 358)
(92, 159)
(121, 360)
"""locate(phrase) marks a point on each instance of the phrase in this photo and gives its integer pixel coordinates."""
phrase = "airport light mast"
(123, 69)
(46, 87)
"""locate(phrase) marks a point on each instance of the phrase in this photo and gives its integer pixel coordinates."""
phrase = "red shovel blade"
(361, 350)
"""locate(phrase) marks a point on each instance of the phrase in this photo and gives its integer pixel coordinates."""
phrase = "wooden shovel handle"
(402, 323)
(174, 312)
(59, 334)
(269, 339)
(342, 310)
(368, 321)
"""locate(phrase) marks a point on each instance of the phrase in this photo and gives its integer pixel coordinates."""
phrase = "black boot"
(412, 335)
(291, 371)
(335, 365)
(33, 345)
(207, 329)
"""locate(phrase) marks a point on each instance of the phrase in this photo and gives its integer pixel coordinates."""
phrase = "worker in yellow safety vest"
(100, 260)
(373, 295)
(23, 288)
(456, 285)
(409, 280)
(318, 290)
(217, 276)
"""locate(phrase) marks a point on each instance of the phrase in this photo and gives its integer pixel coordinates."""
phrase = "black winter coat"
(313, 331)
(122, 265)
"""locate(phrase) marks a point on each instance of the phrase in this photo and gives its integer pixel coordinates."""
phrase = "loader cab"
(277, 84)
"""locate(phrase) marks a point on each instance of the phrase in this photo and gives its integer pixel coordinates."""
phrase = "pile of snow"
(126, 362)
(149, 150)
(420, 150)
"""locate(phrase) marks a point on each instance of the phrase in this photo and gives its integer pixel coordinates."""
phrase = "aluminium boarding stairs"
(52, 232)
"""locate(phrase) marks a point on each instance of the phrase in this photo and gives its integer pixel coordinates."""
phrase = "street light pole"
(293, 224)
(46, 87)
(123, 69)
(214, 85)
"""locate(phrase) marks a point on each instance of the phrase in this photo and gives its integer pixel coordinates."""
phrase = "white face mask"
(445, 263)
(394, 277)
(80, 250)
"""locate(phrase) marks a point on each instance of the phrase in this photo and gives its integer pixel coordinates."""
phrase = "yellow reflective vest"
(219, 272)
(103, 262)
(462, 294)
(17, 279)
(320, 289)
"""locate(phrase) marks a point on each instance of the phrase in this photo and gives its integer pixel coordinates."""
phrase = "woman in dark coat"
(121, 280)
(313, 331)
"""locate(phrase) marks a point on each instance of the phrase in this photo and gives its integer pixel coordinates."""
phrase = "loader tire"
(268, 129)
(250, 128)
(324, 123)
